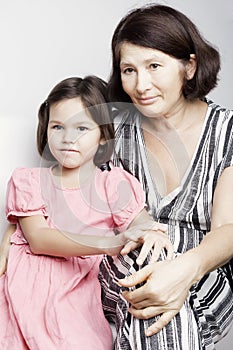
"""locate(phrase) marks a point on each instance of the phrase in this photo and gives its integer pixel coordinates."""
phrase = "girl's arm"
(142, 231)
(4, 248)
(48, 241)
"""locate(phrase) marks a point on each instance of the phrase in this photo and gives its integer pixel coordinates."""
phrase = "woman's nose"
(143, 81)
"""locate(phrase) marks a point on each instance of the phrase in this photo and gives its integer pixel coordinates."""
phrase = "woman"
(180, 146)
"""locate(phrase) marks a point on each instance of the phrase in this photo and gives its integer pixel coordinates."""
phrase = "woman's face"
(152, 79)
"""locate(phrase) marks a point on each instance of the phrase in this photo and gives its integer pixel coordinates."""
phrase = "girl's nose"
(70, 136)
(143, 81)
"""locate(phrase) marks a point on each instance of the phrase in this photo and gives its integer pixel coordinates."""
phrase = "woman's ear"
(191, 67)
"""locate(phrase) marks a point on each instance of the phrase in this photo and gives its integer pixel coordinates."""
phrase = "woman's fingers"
(138, 300)
(138, 277)
(163, 320)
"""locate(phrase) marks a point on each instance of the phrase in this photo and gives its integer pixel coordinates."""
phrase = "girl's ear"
(191, 67)
(102, 141)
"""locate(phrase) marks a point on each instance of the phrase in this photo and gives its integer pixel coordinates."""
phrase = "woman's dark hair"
(168, 30)
(93, 93)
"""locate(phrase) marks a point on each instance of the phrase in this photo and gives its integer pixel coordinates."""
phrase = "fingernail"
(148, 333)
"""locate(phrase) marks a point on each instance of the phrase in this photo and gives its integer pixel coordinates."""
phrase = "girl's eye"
(57, 127)
(82, 128)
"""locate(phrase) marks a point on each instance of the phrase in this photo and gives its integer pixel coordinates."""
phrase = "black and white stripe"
(207, 314)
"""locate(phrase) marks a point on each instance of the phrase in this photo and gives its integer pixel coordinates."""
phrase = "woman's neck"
(171, 143)
(185, 116)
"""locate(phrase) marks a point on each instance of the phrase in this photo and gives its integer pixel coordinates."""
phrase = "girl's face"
(73, 136)
(152, 79)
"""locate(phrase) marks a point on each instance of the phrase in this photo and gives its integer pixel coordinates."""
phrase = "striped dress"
(207, 313)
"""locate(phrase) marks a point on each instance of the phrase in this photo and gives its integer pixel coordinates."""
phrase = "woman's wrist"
(207, 256)
(193, 266)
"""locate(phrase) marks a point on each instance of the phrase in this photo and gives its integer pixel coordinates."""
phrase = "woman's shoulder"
(221, 110)
(124, 117)
(220, 120)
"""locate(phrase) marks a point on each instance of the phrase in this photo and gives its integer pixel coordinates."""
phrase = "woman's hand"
(166, 288)
(152, 236)
(4, 248)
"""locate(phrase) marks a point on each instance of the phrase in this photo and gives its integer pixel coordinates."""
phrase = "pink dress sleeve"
(23, 194)
(125, 196)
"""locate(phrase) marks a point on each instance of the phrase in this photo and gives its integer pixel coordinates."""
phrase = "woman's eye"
(128, 70)
(154, 66)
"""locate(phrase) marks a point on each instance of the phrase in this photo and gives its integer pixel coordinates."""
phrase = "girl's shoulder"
(116, 174)
(123, 193)
(117, 179)
(27, 177)
(24, 194)
(22, 173)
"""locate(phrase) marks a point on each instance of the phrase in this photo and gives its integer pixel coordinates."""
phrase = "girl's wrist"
(112, 245)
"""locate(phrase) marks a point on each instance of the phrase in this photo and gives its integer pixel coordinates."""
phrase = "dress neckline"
(172, 194)
(75, 188)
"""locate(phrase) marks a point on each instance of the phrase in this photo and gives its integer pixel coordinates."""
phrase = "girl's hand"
(151, 235)
(3, 263)
(4, 248)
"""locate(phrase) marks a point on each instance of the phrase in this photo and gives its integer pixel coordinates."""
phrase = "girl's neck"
(73, 178)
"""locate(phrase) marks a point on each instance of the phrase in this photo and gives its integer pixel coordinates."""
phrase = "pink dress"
(50, 303)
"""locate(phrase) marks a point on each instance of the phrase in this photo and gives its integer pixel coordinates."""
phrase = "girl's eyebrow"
(78, 122)
(53, 121)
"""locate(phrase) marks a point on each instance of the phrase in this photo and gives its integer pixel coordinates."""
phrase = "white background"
(43, 42)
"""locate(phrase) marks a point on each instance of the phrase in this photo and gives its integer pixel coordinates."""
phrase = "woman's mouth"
(146, 101)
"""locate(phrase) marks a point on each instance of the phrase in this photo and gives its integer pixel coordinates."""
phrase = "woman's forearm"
(215, 250)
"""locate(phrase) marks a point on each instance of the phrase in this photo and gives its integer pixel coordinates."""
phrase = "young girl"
(50, 294)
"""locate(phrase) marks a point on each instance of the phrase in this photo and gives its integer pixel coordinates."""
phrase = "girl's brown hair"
(93, 94)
